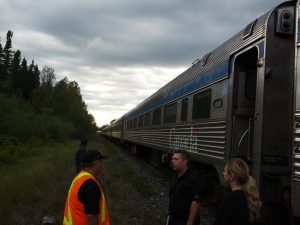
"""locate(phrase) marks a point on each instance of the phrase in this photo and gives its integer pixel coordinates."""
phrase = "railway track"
(155, 204)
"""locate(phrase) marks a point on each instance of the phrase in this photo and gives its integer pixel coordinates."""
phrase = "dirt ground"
(135, 191)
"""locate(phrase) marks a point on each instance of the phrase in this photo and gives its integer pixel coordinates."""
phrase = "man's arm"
(92, 219)
(194, 210)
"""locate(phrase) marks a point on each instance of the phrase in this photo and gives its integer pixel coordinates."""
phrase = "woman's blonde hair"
(240, 171)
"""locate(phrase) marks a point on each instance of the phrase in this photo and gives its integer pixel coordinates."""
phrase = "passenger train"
(240, 100)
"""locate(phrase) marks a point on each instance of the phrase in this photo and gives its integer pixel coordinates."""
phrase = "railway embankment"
(136, 192)
(35, 187)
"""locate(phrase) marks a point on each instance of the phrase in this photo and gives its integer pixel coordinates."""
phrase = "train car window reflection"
(147, 119)
(141, 118)
(156, 116)
(184, 109)
(201, 105)
(170, 113)
(134, 123)
(131, 124)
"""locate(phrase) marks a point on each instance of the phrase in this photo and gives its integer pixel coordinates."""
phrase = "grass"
(36, 186)
(124, 171)
(121, 204)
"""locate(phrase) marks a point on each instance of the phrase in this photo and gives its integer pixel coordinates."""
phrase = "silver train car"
(240, 100)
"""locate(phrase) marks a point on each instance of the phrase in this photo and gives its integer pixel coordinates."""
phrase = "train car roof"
(210, 68)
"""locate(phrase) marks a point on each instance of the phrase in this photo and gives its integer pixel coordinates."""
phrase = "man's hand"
(194, 210)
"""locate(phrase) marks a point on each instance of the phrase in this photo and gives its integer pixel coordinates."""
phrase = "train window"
(147, 119)
(250, 90)
(141, 118)
(130, 124)
(201, 105)
(170, 113)
(184, 109)
(134, 125)
(156, 116)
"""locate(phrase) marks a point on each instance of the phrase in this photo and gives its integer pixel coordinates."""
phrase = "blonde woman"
(241, 205)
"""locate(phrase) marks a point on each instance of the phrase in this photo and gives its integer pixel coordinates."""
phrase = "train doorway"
(244, 101)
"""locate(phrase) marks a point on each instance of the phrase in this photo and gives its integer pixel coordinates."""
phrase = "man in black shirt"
(79, 154)
(185, 192)
(85, 202)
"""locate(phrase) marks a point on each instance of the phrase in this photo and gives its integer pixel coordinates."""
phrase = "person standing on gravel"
(242, 204)
(185, 192)
(79, 153)
(85, 203)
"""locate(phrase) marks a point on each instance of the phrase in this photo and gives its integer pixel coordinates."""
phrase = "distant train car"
(116, 129)
(240, 100)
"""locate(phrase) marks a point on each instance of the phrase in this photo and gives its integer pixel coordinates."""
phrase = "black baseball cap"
(92, 155)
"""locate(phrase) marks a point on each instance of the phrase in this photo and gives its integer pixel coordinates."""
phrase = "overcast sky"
(122, 51)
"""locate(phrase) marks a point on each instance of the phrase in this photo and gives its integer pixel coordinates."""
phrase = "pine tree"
(23, 77)
(32, 80)
(16, 78)
(36, 76)
(29, 84)
(2, 75)
(8, 55)
(6, 62)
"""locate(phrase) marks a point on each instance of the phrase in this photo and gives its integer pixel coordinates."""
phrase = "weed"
(35, 185)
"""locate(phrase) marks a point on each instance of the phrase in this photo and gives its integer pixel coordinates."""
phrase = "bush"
(8, 154)
(36, 186)
(21, 122)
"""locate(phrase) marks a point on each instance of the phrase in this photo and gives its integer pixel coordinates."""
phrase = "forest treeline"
(34, 106)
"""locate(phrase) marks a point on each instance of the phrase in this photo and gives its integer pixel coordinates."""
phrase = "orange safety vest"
(74, 209)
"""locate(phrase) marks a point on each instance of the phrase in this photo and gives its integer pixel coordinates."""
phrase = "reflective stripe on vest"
(104, 214)
(103, 207)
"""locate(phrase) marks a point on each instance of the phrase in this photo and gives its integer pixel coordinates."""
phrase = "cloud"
(120, 52)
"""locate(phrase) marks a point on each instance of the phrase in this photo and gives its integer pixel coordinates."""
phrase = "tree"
(68, 102)
(36, 76)
(48, 76)
(16, 79)
(8, 54)
(2, 74)
(42, 97)
(23, 77)
(6, 61)
(33, 79)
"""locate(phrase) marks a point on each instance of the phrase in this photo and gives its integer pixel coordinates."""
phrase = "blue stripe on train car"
(212, 75)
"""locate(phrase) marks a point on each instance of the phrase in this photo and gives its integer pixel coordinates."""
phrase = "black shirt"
(183, 191)
(233, 209)
(78, 156)
(89, 196)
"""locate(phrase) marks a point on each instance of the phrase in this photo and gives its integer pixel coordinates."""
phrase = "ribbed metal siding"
(221, 54)
(296, 164)
(116, 134)
(205, 139)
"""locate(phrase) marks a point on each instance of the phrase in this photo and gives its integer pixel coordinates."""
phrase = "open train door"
(263, 107)
(296, 146)
(245, 102)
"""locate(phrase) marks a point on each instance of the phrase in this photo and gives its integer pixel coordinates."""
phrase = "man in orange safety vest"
(85, 204)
